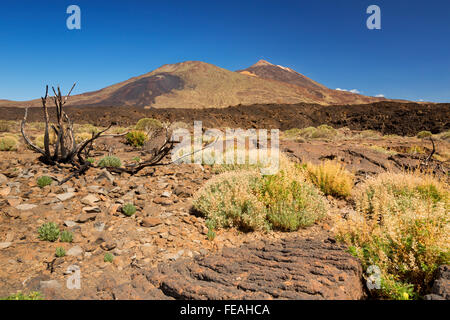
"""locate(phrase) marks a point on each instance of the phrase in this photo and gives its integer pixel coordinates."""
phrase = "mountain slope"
(195, 84)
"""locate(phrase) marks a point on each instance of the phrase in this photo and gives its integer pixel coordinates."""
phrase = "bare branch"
(27, 140)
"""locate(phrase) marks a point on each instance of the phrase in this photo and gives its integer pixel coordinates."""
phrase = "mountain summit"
(267, 70)
(196, 84)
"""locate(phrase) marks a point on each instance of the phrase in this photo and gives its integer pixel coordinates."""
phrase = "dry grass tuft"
(332, 178)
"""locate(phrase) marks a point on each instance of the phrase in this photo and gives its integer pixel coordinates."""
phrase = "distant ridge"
(196, 84)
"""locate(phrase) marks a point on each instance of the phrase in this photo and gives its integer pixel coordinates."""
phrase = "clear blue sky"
(327, 41)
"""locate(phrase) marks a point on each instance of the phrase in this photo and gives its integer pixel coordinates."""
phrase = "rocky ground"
(162, 251)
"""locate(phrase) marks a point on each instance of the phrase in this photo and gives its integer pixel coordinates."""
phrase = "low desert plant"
(332, 178)
(110, 161)
(383, 150)
(148, 124)
(66, 236)
(82, 136)
(321, 132)
(444, 135)
(211, 234)
(291, 201)
(401, 225)
(324, 132)
(136, 138)
(230, 200)
(49, 232)
(249, 201)
(34, 295)
(424, 134)
(88, 128)
(44, 181)
(60, 252)
(370, 134)
(129, 209)
(39, 140)
(4, 126)
(416, 150)
(90, 160)
(109, 257)
(119, 130)
(8, 143)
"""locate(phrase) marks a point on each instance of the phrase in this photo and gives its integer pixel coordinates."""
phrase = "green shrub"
(44, 181)
(60, 252)
(136, 138)
(129, 209)
(424, 134)
(8, 143)
(49, 232)
(211, 234)
(66, 236)
(291, 201)
(34, 295)
(110, 161)
(108, 257)
(90, 160)
(249, 201)
(148, 124)
(401, 225)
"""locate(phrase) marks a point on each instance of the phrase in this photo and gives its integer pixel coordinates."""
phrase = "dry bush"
(402, 226)
(321, 132)
(179, 125)
(5, 126)
(370, 134)
(324, 132)
(332, 178)
(82, 136)
(39, 140)
(249, 201)
(252, 161)
(424, 134)
(87, 128)
(39, 126)
(444, 136)
(148, 124)
(416, 150)
(8, 143)
(383, 150)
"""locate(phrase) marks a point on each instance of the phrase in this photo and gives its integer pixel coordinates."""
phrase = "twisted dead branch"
(65, 150)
